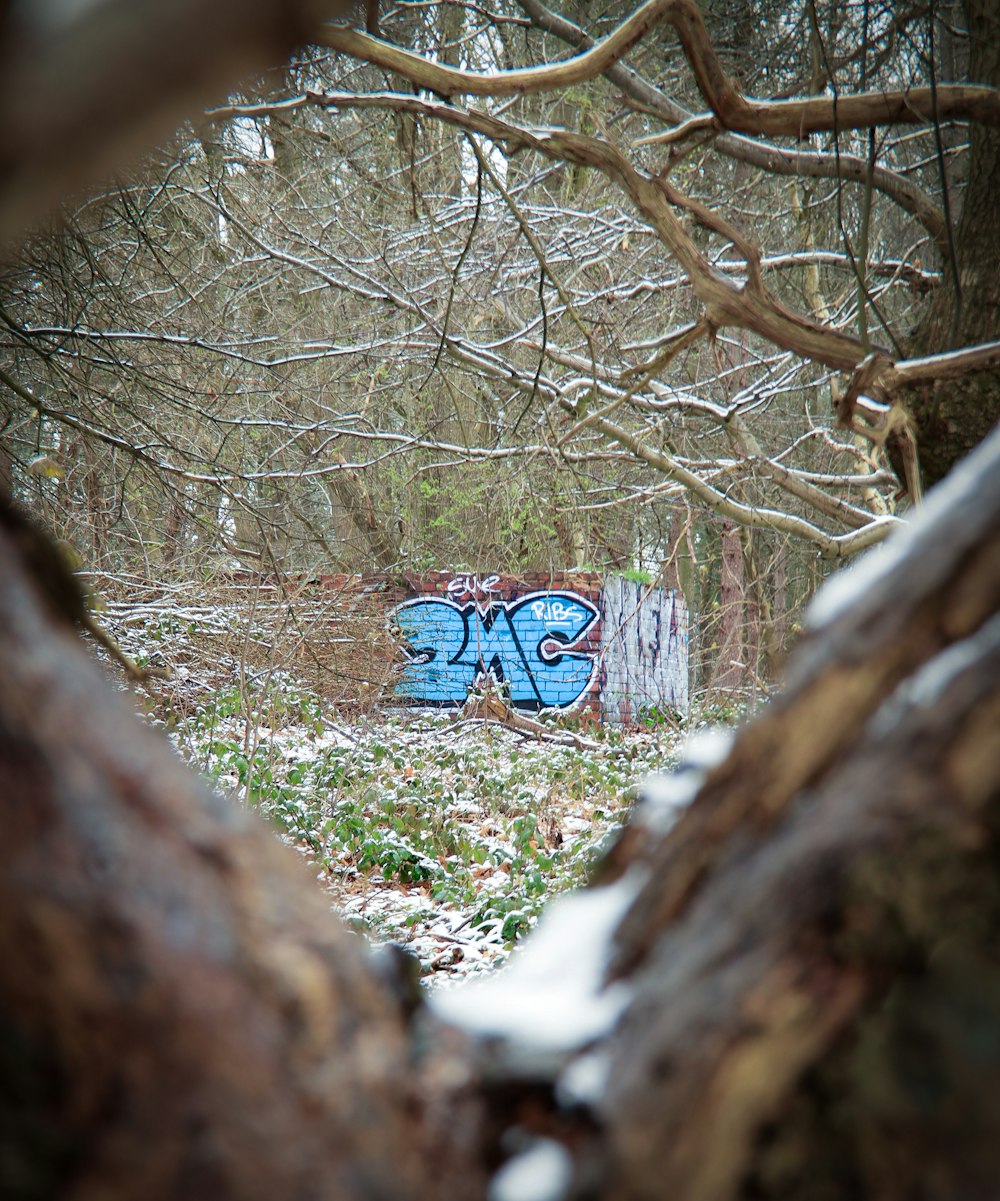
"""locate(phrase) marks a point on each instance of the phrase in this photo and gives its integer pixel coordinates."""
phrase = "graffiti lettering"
(522, 644)
(470, 585)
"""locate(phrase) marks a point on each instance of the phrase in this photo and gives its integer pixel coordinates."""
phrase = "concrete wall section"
(643, 652)
(567, 641)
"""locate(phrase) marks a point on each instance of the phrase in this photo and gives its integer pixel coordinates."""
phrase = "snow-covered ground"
(442, 834)
(445, 837)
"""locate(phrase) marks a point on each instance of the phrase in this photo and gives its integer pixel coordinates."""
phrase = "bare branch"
(452, 81)
(777, 160)
(726, 302)
(937, 368)
(734, 111)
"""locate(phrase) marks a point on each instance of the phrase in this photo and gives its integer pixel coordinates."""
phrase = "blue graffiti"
(519, 644)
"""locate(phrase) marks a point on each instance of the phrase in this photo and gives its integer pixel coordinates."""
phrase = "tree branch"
(734, 111)
(777, 160)
(453, 81)
(85, 89)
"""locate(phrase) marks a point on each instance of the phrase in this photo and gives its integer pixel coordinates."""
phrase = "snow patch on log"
(551, 998)
(540, 1173)
(926, 687)
(662, 795)
(584, 1080)
(843, 590)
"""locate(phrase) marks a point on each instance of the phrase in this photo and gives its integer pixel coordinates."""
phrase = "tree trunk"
(180, 1016)
(813, 954)
(776, 592)
(754, 608)
(381, 544)
(729, 673)
(954, 417)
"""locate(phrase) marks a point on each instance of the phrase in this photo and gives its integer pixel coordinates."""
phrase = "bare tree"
(791, 990)
(529, 329)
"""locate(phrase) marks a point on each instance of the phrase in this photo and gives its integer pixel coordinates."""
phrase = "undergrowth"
(446, 836)
(419, 823)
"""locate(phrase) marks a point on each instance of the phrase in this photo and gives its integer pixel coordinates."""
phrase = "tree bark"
(64, 123)
(822, 1021)
(730, 672)
(180, 1016)
(953, 416)
(814, 952)
(381, 543)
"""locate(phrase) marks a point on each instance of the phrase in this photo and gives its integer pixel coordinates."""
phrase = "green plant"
(637, 577)
(654, 716)
(471, 828)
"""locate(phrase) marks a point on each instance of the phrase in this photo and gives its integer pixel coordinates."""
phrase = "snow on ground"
(444, 835)
(551, 997)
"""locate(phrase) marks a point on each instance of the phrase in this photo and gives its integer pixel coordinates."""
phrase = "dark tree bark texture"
(954, 416)
(815, 951)
(85, 89)
(180, 1016)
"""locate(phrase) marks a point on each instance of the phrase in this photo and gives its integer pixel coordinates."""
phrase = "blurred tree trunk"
(813, 954)
(180, 1016)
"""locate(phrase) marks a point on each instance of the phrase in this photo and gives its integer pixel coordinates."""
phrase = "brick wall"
(569, 641)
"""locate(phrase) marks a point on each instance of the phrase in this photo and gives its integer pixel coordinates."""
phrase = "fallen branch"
(489, 706)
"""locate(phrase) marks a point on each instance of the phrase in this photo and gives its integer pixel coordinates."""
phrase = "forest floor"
(445, 837)
(444, 834)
